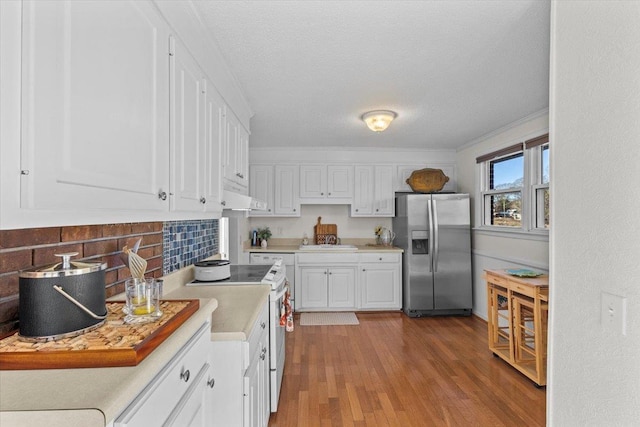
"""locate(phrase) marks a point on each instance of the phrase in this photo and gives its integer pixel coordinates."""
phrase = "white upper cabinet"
(236, 155)
(287, 189)
(188, 133)
(214, 139)
(261, 188)
(278, 186)
(197, 115)
(373, 191)
(95, 106)
(326, 184)
(109, 118)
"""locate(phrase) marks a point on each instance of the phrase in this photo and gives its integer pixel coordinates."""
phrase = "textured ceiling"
(452, 70)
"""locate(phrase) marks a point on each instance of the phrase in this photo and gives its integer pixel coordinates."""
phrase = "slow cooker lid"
(212, 263)
(64, 268)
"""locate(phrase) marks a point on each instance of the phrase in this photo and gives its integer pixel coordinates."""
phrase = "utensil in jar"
(137, 264)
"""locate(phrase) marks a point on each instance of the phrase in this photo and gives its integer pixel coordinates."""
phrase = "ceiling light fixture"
(379, 120)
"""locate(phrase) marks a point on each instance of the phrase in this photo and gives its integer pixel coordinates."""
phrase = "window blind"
(499, 153)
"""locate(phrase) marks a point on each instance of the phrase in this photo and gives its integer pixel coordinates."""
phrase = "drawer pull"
(184, 375)
(263, 325)
(211, 382)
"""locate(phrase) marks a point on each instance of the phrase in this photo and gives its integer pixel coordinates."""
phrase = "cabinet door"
(313, 288)
(188, 131)
(264, 385)
(192, 411)
(340, 182)
(231, 146)
(342, 287)
(313, 181)
(380, 286)
(384, 203)
(363, 198)
(287, 202)
(242, 157)
(261, 187)
(214, 140)
(95, 106)
(251, 395)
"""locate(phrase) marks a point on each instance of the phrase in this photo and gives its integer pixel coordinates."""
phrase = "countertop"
(96, 396)
(276, 248)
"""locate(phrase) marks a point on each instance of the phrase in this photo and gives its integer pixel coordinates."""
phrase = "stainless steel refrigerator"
(435, 232)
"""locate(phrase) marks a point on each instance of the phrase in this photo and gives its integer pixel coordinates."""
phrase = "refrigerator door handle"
(436, 246)
(431, 246)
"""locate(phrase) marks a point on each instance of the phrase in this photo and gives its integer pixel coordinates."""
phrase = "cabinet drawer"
(156, 402)
(380, 257)
(523, 289)
(327, 259)
(497, 280)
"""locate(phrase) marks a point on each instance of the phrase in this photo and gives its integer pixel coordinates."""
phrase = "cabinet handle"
(328, 194)
(239, 175)
(294, 209)
(223, 203)
(356, 210)
(211, 382)
(184, 375)
(162, 195)
(377, 210)
(325, 272)
(203, 200)
(364, 269)
(380, 259)
(262, 356)
(24, 172)
(263, 325)
(322, 194)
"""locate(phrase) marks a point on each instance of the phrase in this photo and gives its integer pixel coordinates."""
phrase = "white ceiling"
(452, 70)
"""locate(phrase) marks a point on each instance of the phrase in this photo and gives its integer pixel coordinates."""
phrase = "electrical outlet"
(613, 313)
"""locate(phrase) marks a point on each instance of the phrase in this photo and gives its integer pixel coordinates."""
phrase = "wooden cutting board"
(113, 344)
(323, 231)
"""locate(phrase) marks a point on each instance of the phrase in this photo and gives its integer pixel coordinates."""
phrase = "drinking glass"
(142, 300)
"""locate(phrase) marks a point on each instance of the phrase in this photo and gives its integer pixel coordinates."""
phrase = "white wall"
(594, 373)
(348, 227)
(492, 250)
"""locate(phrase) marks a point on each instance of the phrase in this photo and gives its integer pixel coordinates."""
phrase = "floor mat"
(333, 318)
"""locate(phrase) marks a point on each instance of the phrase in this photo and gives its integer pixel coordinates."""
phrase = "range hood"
(240, 202)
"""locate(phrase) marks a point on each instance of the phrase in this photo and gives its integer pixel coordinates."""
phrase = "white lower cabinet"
(348, 281)
(326, 281)
(380, 286)
(180, 394)
(240, 369)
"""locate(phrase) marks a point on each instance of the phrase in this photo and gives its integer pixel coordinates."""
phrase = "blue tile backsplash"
(186, 242)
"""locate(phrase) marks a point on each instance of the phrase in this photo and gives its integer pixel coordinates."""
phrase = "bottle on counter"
(305, 239)
(254, 238)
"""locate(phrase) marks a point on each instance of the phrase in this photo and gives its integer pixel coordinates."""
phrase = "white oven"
(274, 275)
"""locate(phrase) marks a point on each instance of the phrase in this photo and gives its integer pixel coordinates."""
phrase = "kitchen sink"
(328, 247)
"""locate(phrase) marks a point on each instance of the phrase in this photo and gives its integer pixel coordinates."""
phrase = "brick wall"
(25, 248)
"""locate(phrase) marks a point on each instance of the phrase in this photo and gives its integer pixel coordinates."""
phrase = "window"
(514, 185)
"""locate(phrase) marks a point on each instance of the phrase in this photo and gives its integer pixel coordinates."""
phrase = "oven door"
(276, 342)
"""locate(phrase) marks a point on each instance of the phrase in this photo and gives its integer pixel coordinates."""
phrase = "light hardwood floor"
(397, 371)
